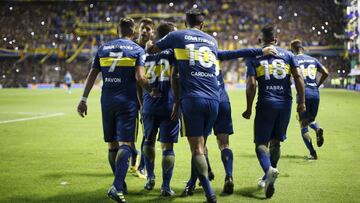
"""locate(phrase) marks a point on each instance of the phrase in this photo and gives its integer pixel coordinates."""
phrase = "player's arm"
(152, 48)
(139, 92)
(90, 80)
(250, 95)
(162, 44)
(250, 88)
(141, 78)
(174, 80)
(248, 52)
(324, 74)
(300, 89)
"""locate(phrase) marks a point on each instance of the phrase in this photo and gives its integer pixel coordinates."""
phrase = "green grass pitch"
(64, 159)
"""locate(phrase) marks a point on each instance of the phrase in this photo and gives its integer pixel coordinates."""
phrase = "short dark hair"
(127, 26)
(268, 33)
(296, 45)
(195, 17)
(148, 21)
(164, 28)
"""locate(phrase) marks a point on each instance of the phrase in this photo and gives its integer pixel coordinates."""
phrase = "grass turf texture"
(64, 158)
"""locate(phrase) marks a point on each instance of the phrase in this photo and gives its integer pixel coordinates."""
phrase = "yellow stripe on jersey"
(183, 54)
(126, 61)
(157, 70)
(260, 70)
(305, 72)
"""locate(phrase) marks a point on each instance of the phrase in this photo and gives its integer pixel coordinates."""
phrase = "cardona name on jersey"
(198, 39)
(117, 46)
(202, 74)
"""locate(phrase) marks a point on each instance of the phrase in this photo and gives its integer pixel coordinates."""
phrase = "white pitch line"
(32, 118)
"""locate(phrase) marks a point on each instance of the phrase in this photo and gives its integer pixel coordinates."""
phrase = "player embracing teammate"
(182, 79)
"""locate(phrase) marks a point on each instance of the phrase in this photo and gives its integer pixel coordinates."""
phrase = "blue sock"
(167, 167)
(112, 158)
(307, 140)
(193, 175)
(121, 167)
(134, 153)
(314, 126)
(149, 158)
(227, 159)
(142, 159)
(202, 170)
(263, 156)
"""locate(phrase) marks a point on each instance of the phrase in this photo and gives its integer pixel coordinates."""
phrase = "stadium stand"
(41, 40)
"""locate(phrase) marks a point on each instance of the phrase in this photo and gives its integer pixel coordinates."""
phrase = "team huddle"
(177, 85)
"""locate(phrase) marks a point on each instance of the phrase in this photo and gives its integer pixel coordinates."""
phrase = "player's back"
(273, 76)
(196, 56)
(117, 60)
(309, 67)
(158, 68)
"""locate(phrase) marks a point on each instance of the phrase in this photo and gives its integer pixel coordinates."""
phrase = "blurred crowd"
(235, 24)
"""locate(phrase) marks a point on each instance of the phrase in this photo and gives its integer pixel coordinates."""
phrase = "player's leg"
(223, 128)
(227, 159)
(275, 152)
(69, 88)
(134, 159)
(199, 117)
(281, 122)
(264, 125)
(141, 167)
(314, 125)
(199, 162)
(113, 149)
(126, 131)
(210, 172)
(150, 130)
(168, 162)
(169, 132)
(109, 132)
(306, 135)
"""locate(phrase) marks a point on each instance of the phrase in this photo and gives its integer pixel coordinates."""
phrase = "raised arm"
(162, 44)
(248, 52)
(90, 80)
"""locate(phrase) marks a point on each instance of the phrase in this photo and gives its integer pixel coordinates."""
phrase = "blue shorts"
(169, 130)
(198, 116)
(271, 123)
(223, 123)
(312, 106)
(120, 122)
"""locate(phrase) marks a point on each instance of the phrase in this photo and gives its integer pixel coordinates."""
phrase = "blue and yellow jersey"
(196, 59)
(158, 68)
(117, 61)
(273, 76)
(309, 67)
(229, 55)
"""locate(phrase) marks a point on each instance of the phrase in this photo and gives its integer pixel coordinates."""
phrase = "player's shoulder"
(284, 52)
